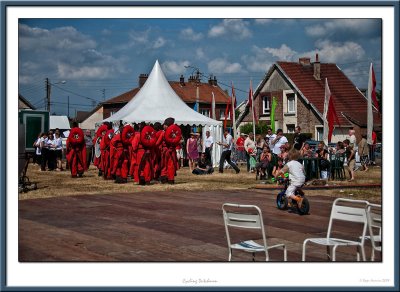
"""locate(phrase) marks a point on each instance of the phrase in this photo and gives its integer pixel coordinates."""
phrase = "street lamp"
(48, 91)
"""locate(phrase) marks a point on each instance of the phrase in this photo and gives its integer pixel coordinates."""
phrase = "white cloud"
(337, 52)
(190, 34)
(173, 67)
(284, 53)
(159, 42)
(353, 27)
(231, 28)
(65, 53)
(258, 60)
(200, 54)
(220, 65)
(140, 37)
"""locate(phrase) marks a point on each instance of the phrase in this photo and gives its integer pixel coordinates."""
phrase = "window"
(320, 133)
(266, 105)
(205, 112)
(291, 108)
(290, 128)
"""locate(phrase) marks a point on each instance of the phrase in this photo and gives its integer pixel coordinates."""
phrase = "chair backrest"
(244, 217)
(374, 219)
(350, 211)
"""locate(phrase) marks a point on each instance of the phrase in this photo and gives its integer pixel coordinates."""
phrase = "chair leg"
(254, 256)
(328, 252)
(334, 253)
(230, 255)
(303, 256)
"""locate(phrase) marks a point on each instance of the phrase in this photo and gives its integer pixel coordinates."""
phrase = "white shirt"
(248, 143)
(269, 139)
(278, 144)
(37, 144)
(208, 141)
(227, 140)
(296, 173)
(58, 143)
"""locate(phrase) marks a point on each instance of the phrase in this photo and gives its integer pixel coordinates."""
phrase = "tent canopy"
(60, 122)
(156, 101)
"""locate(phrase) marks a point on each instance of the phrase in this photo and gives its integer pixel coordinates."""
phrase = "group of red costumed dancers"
(142, 152)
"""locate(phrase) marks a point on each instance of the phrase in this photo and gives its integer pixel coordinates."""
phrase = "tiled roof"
(347, 98)
(186, 92)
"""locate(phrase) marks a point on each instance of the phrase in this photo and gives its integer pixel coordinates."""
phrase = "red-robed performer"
(120, 153)
(101, 131)
(134, 167)
(168, 140)
(148, 142)
(105, 154)
(156, 159)
(76, 151)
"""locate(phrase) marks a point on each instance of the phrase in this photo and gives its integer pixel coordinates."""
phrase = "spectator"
(265, 159)
(58, 150)
(51, 153)
(199, 144)
(179, 153)
(203, 166)
(44, 150)
(227, 145)
(249, 144)
(241, 155)
(353, 139)
(278, 141)
(299, 139)
(208, 146)
(89, 147)
(260, 142)
(306, 151)
(363, 150)
(269, 137)
(323, 162)
(191, 150)
(351, 158)
(277, 167)
(284, 154)
(38, 154)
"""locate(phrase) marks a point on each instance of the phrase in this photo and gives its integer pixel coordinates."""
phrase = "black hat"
(169, 121)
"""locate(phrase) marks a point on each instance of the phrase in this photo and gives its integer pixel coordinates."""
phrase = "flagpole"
(233, 98)
(252, 106)
(370, 118)
(324, 117)
(214, 115)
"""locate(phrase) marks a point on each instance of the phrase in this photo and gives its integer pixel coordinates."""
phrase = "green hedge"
(262, 129)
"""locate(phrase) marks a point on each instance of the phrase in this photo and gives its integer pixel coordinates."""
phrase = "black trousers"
(226, 155)
(247, 161)
(44, 158)
(208, 153)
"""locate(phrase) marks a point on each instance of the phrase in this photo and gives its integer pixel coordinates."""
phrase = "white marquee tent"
(157, 101)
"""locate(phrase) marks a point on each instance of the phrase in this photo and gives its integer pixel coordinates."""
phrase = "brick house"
(299, 88)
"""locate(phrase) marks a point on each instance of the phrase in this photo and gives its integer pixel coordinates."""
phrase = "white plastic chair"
(247, 217)
(374, 219)
(355, 213)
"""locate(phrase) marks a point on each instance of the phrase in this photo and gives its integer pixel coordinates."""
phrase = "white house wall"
(94, 118)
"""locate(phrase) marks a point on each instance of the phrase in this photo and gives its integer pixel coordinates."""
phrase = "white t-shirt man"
(208, 141)
(277, 146)
(229, 141)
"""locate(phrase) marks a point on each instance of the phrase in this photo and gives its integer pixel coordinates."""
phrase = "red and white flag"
(250, 102)
(233, 117)
(330, 115)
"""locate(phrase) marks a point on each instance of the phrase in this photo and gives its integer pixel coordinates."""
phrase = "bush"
(260, 128)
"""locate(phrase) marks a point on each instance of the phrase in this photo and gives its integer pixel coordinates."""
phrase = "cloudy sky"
(89, 60)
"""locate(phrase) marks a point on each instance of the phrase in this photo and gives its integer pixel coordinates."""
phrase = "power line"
(80, 95)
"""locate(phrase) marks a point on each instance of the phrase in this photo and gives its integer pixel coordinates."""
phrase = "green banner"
(273, 107)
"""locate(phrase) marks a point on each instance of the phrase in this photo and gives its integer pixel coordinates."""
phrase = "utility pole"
(48, 89)
(68, 106)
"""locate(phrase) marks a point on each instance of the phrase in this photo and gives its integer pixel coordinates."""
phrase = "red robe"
(76, 152)
(105, 154)
(169, 160)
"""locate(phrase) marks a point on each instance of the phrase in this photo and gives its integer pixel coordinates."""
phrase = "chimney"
(192, 78)
(210, 81)
(215, 83)
(304, 61)
(142, 79)
(182, 80)
(317, 68)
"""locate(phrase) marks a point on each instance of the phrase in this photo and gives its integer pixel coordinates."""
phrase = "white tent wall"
(216, 132)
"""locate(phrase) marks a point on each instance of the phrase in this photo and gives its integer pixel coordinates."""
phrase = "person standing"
(363, 149)
(76, 151)
(372, 149)
(240, 147)
(38, 154)
(249, 147)
(227, 145)
(278, 141)
(299, 138)
(192, 151)
(208, 146)
(269, 137)
(89, 147)
(351, 158)
(58, 149)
